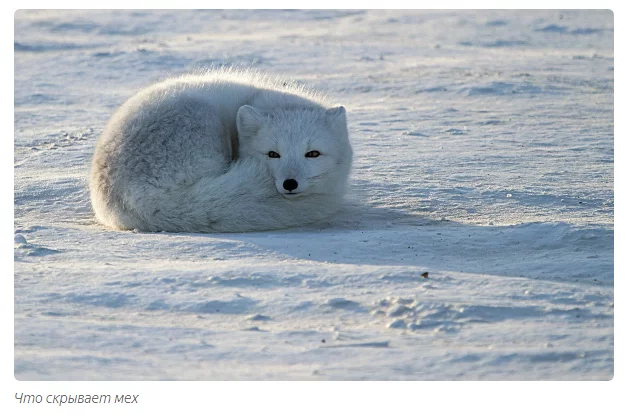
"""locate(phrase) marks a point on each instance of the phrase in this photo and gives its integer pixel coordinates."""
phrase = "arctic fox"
(223, 151)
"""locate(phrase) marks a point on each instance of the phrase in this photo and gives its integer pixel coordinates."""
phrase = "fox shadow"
(365, 235)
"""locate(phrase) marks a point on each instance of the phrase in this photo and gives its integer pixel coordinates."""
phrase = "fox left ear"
(336, 117)
(249, 121)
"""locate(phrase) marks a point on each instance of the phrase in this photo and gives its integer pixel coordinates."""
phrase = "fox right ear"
(336, 117)
(249, 120)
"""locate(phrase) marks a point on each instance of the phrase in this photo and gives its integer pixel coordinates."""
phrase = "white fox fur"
(192, 154)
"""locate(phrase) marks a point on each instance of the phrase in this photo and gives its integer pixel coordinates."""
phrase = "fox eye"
(313, 154)
(273, 155)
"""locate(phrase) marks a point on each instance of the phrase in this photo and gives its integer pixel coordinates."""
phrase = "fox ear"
(336, 117)
(249, 120)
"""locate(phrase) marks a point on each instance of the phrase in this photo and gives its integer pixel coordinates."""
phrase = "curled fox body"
(223, 151)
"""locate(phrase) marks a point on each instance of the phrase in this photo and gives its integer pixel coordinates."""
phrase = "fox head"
(306, 150)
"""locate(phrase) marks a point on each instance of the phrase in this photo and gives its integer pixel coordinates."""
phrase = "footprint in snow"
(341, 303)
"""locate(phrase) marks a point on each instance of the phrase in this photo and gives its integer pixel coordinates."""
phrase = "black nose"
(290, 184)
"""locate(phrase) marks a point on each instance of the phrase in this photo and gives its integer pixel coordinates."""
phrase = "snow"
(483, 155)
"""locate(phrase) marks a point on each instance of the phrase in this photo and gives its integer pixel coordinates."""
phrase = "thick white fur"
(190, 154)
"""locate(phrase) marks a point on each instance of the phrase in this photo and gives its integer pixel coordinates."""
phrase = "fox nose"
(290, 184)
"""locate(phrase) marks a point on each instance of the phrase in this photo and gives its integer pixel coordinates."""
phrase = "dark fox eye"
(273, 154)
(313, 154)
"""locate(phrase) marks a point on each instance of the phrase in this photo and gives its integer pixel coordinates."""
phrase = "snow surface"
(483, 156)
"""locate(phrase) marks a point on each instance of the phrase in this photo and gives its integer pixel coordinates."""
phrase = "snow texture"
(483, 159)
